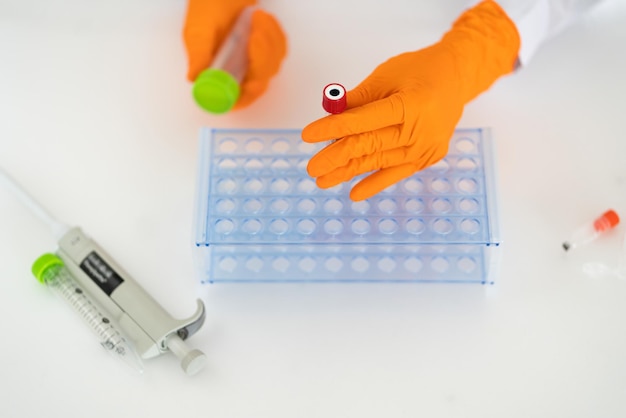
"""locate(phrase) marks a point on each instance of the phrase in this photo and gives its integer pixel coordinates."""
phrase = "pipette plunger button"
(191, 361)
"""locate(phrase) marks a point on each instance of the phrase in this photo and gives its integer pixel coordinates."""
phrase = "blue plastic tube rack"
(260, 217)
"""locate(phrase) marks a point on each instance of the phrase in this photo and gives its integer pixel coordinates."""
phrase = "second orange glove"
(400, 119)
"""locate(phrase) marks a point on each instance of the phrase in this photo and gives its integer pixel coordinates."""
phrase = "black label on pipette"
(101, 273)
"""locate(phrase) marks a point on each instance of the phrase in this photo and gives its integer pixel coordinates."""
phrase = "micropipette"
(152, 331)
(592, 230)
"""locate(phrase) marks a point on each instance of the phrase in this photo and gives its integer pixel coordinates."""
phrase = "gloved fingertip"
(332, 159)
(369, 186)
(199, 56)
(325, 182)
(192, 74)
(263, 19)
(308, 134)
(360, 193)
(250, 91)
(316, 131)
(267, 46)
(313, 168)
(357, 97)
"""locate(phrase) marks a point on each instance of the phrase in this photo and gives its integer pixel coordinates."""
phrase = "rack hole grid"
(261, 218)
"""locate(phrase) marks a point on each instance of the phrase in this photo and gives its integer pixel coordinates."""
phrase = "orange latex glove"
(401, 117)
(207, 23)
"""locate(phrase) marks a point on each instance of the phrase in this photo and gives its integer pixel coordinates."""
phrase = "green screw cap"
(43, 264)
(216, 90)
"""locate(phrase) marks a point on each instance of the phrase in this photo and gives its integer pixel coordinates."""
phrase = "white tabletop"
(98, 124)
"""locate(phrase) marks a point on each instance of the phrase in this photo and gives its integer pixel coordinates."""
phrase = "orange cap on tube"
(608, 220)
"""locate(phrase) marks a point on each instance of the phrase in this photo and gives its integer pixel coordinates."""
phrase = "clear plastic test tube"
(217, 88)
(592, 230)
(50, 270)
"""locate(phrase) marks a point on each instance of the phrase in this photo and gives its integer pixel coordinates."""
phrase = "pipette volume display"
(592, 230)
(50, 270)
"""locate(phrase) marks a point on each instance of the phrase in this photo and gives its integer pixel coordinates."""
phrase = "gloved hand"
(401, 117)
(207, 23)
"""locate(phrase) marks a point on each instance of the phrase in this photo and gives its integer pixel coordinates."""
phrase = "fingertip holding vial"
(334, 98)
(590, 231)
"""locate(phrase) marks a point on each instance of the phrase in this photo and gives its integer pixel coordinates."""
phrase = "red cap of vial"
(607, 221)
(334, 98)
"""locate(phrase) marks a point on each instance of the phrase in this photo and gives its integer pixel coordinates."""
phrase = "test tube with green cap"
(51, 271)
(217, 88)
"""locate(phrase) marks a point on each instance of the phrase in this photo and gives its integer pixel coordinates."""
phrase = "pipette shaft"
(58, 228)
(49, 270)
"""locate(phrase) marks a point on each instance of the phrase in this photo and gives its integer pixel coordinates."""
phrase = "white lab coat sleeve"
(539, 20)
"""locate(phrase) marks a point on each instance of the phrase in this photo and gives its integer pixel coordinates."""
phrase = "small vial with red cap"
(334, 98)
(592, 230)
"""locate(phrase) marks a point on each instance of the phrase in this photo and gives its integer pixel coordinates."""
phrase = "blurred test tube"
(217, 88)
(592, 230)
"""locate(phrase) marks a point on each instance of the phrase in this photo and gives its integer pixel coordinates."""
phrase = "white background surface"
(98, 124)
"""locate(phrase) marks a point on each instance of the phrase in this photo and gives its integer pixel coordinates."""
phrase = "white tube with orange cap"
(592, 230)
